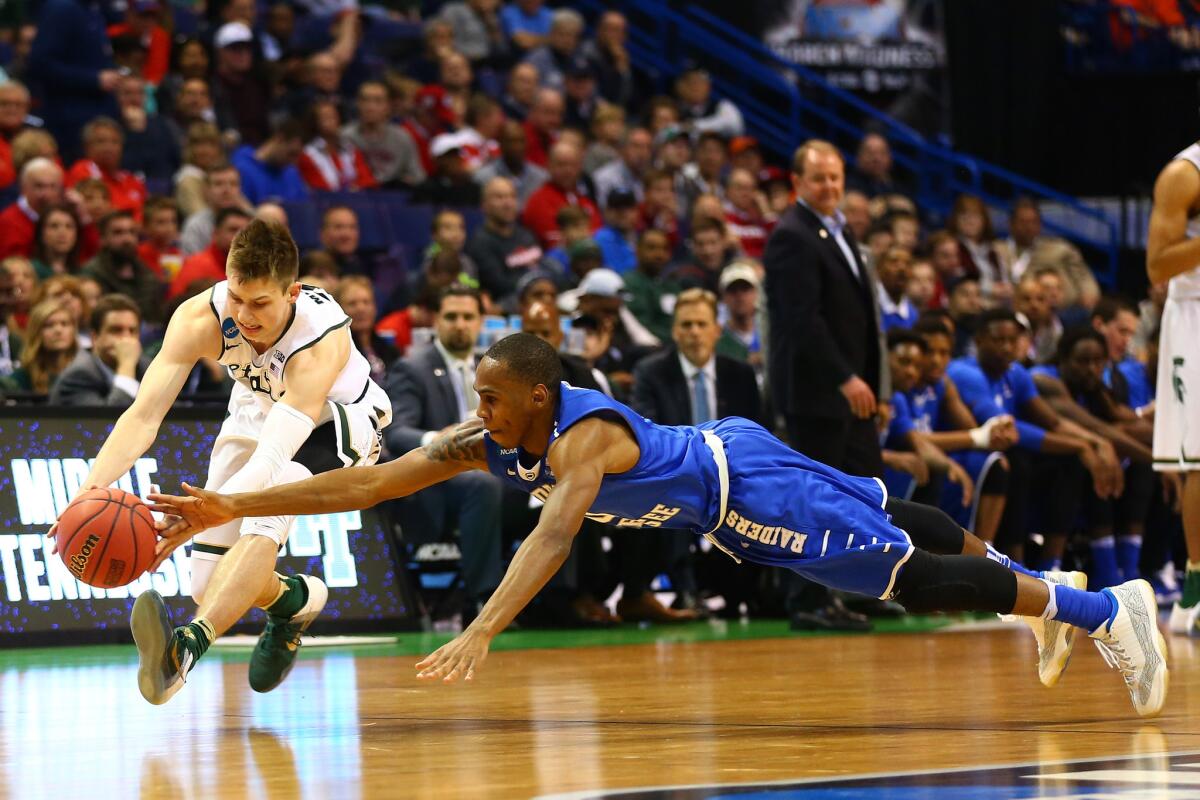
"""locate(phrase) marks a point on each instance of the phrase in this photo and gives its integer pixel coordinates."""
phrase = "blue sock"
(1005, 561)
(1104, 563)
(1087, 610)
(1129, 552)
(1049, 565)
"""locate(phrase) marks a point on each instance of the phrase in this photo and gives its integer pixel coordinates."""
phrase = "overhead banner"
(45, 457)
(867, 46)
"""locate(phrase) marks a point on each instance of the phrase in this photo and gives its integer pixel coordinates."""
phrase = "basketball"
(106, 537)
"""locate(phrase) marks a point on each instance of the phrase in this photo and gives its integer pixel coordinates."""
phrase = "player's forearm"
(536, 561)
(1063, 444)
(1173, 260)
(951, 441)
(130, 438)
(346, 489)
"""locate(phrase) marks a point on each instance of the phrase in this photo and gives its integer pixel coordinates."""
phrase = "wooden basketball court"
(585, 721)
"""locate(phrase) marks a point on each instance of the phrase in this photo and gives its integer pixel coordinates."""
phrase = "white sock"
(1051, 610)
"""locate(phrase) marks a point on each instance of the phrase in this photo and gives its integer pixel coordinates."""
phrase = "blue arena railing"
(784, 103)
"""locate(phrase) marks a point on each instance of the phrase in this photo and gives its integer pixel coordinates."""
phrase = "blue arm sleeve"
(1031, 436)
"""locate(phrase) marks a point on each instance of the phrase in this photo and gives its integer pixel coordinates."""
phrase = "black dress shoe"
(687, 601)
(874, 607)
(833, 617)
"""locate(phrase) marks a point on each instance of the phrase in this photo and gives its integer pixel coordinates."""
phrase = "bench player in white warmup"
(303, 403)
(1173, 256)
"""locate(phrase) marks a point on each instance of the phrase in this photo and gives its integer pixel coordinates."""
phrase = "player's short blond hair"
(264, 249)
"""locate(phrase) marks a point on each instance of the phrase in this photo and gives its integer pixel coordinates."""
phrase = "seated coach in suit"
(685, 385)
(111, 372)
(432, 389)
(691, 383)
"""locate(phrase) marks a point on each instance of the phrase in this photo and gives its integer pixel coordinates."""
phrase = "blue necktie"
(700, 408)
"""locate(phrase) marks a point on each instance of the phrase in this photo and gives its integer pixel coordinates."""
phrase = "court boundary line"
(593, 794)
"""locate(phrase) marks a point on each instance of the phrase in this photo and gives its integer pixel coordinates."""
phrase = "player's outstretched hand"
(455, 659)
(201, 510)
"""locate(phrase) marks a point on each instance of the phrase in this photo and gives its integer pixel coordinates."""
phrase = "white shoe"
(162, 664)
(1132, 644)
(1183, 620)
(1054, 638)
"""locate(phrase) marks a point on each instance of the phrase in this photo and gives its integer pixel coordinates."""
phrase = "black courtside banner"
(44, 456)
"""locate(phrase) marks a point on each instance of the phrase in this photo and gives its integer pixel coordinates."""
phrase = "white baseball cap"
(738, 271)
(232, 33)
(602, 282)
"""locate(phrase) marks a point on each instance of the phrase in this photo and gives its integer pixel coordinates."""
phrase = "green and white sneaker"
(1054, 638)
(275, 654)
(1132, 644)
(163, 659)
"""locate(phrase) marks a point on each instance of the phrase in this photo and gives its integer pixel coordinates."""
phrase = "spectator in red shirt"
(433, 113)
(160, 250)
(563, 189)
(142, 22)
(210, 262)
(103, 143)
(543, 125)
(660, 208)
(41, 187)
(746, 213)
(330, 162)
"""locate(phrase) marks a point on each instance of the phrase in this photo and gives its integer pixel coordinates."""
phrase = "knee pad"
(202, 566)
(929, 582)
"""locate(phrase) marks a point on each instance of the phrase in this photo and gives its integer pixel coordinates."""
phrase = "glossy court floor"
(725, 710)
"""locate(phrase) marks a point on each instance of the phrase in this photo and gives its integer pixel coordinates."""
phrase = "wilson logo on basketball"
(79, 560)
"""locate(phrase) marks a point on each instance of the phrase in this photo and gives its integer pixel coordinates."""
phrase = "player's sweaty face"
(937, 356)
(503, 403)
(260, 307)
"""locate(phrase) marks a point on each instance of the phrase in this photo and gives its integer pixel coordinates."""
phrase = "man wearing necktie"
(686, 385)
(432, 389)
(828, 363)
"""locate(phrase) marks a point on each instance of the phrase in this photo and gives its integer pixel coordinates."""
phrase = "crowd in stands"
(571, 199)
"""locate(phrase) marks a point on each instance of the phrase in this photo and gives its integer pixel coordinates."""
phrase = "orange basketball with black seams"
(106, 537)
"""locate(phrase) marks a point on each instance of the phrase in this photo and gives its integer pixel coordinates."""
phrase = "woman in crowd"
(51, 342)
(56, 242)
(978, 255)
(357, 298)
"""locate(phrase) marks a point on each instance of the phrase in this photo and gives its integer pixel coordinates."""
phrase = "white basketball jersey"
(1186, 285)
(317, 315)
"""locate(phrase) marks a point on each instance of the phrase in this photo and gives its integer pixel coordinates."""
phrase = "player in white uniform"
(1173, 254)
(303, 403)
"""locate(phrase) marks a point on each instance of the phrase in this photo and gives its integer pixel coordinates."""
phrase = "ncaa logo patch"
(229, 328)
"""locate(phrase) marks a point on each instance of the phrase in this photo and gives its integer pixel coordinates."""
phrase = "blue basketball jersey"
(674, 483)
(925, 406)
(733, 481)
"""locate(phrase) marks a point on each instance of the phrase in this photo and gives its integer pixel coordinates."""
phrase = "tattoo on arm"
(463, 444)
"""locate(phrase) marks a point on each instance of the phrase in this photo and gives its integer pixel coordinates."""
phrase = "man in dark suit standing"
(827, 367)
(432, 389)
(686, 385)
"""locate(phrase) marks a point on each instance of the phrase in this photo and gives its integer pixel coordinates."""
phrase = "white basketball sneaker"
(1054, 638)
(1183, 620)
(1132, 644)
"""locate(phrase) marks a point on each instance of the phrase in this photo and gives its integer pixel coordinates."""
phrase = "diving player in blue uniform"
(729, 480)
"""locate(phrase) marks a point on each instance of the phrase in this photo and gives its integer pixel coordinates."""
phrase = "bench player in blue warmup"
(730, 480)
